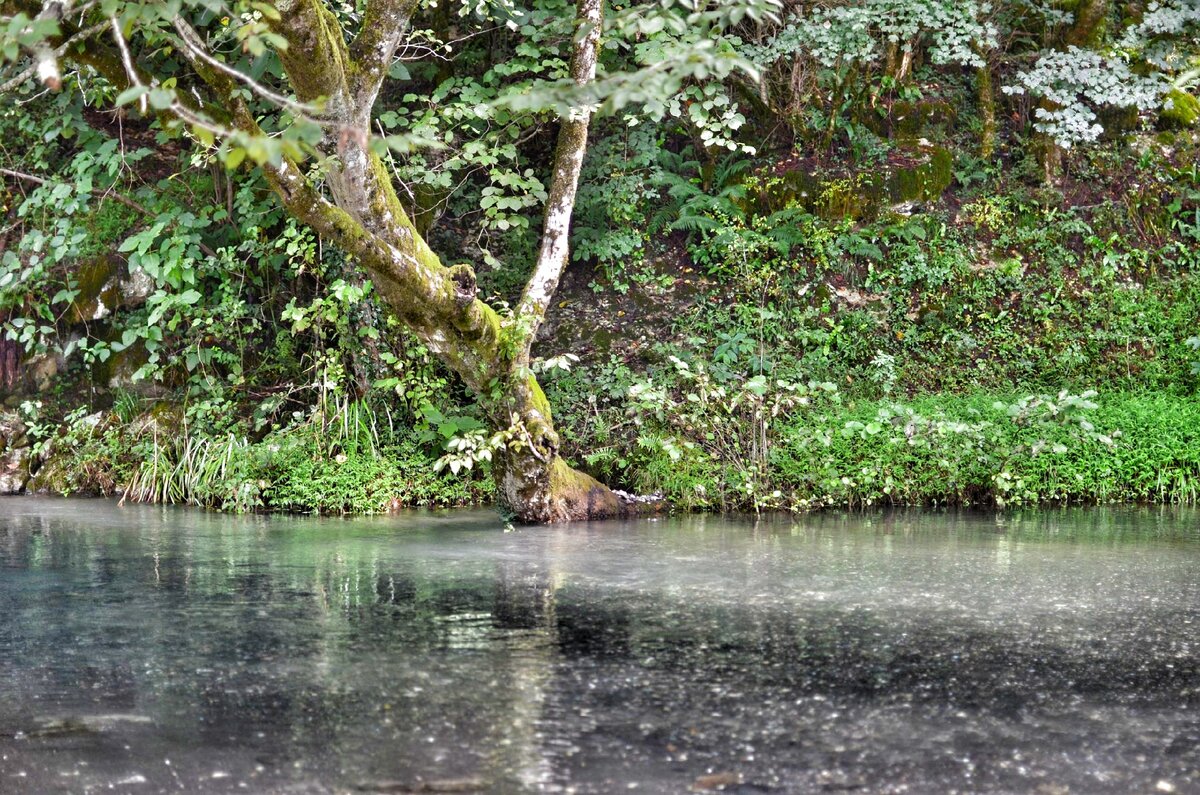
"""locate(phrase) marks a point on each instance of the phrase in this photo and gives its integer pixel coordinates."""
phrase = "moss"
(924, 182)
(52, 477)
(537, 398)
(1184, 110)
(94, 280)
(861, 196)
(1091, 17)
(602, 340)
(986, 94)
(578, 495)
(118, 369)
(912, 120)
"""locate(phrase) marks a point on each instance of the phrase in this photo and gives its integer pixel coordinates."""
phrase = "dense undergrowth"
(857, 285)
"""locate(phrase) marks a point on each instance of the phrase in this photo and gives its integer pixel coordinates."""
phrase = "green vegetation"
(839, 255)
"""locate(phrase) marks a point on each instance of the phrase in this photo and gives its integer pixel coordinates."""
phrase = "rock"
(14, 453)
(98, 295)
(118, 370)
(716, 781)
(466, 785)
(51, 477)
(12, 430)
(1183, 110)
(106, 285)
(136, 289)
(916, 175)
(41, 370)
(14, 470)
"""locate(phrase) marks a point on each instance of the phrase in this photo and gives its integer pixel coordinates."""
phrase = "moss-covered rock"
(921, 174)
(909, 121)
(1181, 110)
(51, 477)
(96, 280)
(14, 453)
(40, 371)
(117, 371)
(12, 431)
(925, 180)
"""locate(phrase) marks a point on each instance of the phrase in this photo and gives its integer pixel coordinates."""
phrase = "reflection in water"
(148, 649)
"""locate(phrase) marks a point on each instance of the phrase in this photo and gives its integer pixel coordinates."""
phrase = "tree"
(292, 86)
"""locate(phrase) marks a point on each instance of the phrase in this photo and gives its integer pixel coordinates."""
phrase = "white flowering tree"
(1133, 68)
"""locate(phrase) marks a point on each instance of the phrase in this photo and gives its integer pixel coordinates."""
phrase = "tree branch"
(192, 42)
(375, 45)
(57, 52)
(44, 57)
(366, 219)
(130, 72)
(568, 162)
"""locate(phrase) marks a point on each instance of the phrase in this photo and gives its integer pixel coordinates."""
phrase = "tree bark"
(1088, 27)
(1086, 31)
(987, 111)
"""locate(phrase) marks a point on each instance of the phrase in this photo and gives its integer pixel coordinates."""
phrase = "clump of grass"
(197, 471)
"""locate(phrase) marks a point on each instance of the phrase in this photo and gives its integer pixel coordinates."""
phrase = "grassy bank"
(807, 449)
(984, 449)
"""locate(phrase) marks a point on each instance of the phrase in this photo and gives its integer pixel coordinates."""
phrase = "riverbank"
(820, 451)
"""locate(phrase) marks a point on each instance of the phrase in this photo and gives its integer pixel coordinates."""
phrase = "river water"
(147, 649)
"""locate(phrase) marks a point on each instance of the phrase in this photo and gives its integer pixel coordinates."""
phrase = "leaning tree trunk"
(437, 303)
(533, 483)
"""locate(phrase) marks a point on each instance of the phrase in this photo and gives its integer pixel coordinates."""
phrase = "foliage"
(720, 431)
(953, 32)
(1074, 82)
(980, 450)
(743, 224)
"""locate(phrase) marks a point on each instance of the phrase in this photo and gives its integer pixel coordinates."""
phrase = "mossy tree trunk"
(440, 304)
(1087, 29)
(987, 111)
(363, 215)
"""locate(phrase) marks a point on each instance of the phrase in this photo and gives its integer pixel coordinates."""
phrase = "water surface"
(145, 649)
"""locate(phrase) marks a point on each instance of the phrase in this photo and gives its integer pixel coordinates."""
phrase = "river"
(147, 649)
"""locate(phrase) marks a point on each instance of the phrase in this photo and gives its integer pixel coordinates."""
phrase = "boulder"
(106, 285)
(12, 431)
(14, 470)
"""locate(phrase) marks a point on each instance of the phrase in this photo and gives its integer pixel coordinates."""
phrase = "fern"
(691, 208)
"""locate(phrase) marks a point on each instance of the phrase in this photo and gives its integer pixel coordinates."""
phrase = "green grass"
(1153, 455)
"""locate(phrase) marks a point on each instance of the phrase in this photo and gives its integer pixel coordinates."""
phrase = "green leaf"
(130, 94)
(161, 98)
(203, 135)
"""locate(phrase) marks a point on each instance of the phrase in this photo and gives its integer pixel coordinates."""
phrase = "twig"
(191, 40)
(58, 53)
(126, 60)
